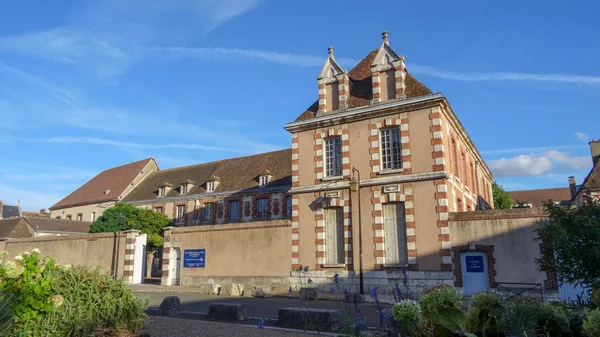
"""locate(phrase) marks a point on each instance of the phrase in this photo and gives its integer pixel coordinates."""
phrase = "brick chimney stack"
(595, 150)
(572, 186)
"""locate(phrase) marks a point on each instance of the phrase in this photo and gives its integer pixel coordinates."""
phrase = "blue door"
(474, 267)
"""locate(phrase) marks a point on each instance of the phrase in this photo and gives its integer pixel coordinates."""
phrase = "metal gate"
(573, 293)
(139, 259)
(474, 267)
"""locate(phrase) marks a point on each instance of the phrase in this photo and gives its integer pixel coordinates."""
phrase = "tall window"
(333, 157)
(472, 181)
(208, 212)
(463, 166)
(93, 217)
(79, 217)
(391, 150)
(184, 188)
(334, 235)
(210, 186)
(454, 154)
(394, 227)
(263, 180)
(180, 214)
(234, 210)
(262, 210)
(161, 191)
(288, 206)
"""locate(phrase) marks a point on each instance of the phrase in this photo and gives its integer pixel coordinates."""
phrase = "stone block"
(308, 294)
(233, 289)
(227, 311)
(261, 291)
(309, 319)
(170, 306)
(209, 289)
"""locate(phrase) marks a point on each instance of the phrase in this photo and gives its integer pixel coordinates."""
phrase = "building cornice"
(366, 112)
(212, 195)
(396, 179)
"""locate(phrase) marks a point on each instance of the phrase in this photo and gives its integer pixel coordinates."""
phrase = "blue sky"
(88, 85)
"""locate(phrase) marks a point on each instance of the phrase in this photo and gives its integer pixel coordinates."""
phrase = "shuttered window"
(394, 226)
(334, 235)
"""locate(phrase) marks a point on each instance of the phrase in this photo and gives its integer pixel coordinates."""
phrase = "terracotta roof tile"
(114, 180)
(361, 87)
(537, 197)
(592, 181)
(233, 174)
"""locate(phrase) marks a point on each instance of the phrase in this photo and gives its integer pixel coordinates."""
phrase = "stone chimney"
(572, 186)
(334, 86)
(388, 73)
(595, 150)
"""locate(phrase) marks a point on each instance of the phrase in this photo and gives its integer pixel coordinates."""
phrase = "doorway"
(474, 267)
(175, 272)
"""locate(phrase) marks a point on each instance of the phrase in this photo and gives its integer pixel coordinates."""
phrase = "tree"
(147, 221)
(571, 242)
(502, 199)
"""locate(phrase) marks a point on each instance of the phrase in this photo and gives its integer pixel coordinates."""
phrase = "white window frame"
(208, 207)
(93, 216)
(238, 208)
(395, 238)
(263, 180)
(162, 191)
(180, 215)
(332, 157)
(334, 236)
(210, 186)
(156, 209)
(183, 189)
(265, 212)
(397, 163)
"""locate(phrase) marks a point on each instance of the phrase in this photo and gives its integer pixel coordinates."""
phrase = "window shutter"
(340, 234)
(330, 236)
(390, 227)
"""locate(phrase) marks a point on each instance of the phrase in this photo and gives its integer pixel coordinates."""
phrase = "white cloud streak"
(533, 149)
(582, 136)
(537, 164)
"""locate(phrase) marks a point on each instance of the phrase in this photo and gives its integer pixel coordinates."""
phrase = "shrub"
(547, 319)
(485, 314)
(441, 297)
(591, 323)
(408, 314)
(520, 319)
(49, 300)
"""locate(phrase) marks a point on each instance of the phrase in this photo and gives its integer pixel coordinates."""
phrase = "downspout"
(477, 184)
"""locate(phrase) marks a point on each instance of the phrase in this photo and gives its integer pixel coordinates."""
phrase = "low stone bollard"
(209, 289)
(262, 292)
(307, 318)
(170, 306)
(308, 294)
(233, 289)
(227, 311)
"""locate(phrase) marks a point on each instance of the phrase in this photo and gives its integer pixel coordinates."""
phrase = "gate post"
(129, 255)
(165, 279)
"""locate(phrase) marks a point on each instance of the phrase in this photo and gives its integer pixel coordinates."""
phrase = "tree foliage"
(571, 241)
(145, 220)
(502, 199)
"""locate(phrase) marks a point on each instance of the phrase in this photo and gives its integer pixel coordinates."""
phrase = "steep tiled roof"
(57, 225)
(592, 181)
(361, 87)
(14, 228)
(114, 181)
(537, 197)
(233, 174)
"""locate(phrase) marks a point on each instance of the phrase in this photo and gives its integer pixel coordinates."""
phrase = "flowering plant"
(28, 280)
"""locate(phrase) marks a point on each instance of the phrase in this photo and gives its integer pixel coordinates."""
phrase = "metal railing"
(518, 289)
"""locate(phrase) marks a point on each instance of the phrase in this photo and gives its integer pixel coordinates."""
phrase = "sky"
(89, 85)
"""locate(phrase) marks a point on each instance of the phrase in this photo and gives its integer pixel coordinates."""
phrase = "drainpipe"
(360, 250)
(477, 184)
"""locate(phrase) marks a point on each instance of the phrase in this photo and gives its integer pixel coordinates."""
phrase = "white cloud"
(582, 136)
(533, 149)
(537, 164)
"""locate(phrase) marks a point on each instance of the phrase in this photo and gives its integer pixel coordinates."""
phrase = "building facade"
(380, 155)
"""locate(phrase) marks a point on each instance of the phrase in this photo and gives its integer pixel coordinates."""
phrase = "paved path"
(256, 308)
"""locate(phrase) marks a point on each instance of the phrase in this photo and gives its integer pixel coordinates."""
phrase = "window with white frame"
(334, 235)
(183, 189)
(161, 191)
(79, 217)
(93, 217)
(263, 180)
(208, 212)
(288, 205)
(210, 186)
(180, 214)
(158, 209)
(333, 157)
(262, 208)
(394, 227)
(391, 149)
(234, 210)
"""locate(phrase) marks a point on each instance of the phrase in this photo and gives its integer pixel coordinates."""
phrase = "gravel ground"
(159, 326)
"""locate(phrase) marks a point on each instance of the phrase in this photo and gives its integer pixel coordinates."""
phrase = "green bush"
(435, 301)
(591, 323)
(484, 315)
(68, 301)
(408, 314)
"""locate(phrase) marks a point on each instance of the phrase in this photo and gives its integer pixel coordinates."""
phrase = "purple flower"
(373, 292)
(300, 268)
(331, 289)
(345, 291)
(290, 291)
(336, 278)
(261, 324)
(306, 269)
(360, 320)
(310, 281)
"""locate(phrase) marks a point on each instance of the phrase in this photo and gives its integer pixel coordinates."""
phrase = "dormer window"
(210, 186)
(263, 180)
(162, 191)
(183, 189)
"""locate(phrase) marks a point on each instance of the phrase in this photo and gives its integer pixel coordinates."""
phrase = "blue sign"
(194, 258)
(474, 264)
